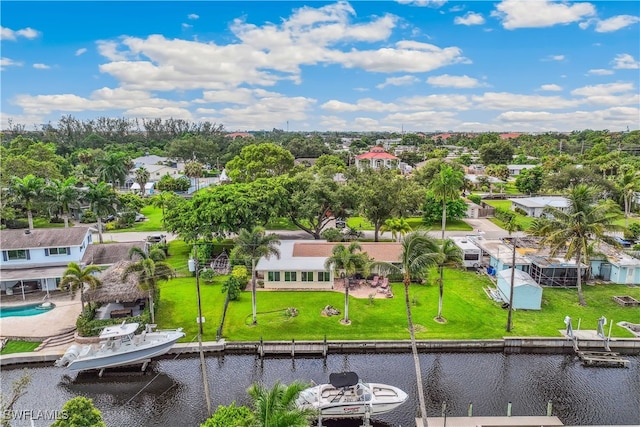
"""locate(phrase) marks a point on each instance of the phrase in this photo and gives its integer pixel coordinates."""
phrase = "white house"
(515, 170)
(534, 206)
(527, 294)
(376, 158)
(301, 263)
(35, 260)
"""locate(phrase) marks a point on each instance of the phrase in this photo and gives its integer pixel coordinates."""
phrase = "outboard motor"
(70, 355)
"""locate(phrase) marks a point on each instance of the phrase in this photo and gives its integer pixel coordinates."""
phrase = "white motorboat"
(120, 346)
(346, 396)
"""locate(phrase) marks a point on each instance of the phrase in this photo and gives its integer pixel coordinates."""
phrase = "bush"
(241, 274)
(332, 235)
(17, 223)
(520, 211)
(634, 231)
(504, 215)
(89, 327)
(56, 220)
(88, 216)
(79, 411)
(232, 287)
(475, 198)
(207, 275)
(231, 415)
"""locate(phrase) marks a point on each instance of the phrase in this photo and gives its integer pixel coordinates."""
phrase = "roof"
(114, 288)
(475, 178)
(109, 253)
(509, 135)
(465, 244)
(42, 238)
(33, 273)
(520, 278)
(541, 202)
(235, 135)
(376, 153)
(521, 166)
(151, 159)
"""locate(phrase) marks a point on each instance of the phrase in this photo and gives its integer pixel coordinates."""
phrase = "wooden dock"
(602, 358)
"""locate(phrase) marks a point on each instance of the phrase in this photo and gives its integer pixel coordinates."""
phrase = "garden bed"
(626, 301)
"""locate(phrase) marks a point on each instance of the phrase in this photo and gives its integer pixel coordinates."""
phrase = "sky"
(406, 65)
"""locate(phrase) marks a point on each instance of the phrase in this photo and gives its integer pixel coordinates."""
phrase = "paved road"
(483, 226)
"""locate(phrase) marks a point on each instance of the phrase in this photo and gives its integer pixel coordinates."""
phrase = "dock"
(520, 421)
(602, 358)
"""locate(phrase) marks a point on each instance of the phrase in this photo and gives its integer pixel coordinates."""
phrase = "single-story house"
(615, 266)
(301, 263)
(515, 170)
(500, 253)
(534, 206)
(527, 294)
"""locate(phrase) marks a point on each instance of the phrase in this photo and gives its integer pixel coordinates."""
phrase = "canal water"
(171, 392)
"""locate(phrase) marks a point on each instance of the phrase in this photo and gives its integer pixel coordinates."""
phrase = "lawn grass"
(19, 347)
(416, 223)
(469, 312)
(281, 224)
(524, 221)
(153, 221)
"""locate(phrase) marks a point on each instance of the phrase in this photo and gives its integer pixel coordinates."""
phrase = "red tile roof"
(376, 153)
(509, 135)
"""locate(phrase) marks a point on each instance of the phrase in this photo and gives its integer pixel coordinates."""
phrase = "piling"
(293, 348)
(509, 409)
(470, 410)
(549, 408)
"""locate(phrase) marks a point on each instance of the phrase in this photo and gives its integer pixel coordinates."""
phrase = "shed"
(527, 294)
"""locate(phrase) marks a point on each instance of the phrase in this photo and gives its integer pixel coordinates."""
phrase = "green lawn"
(281, 224)
(524, 221)
(153, 221)
(19, 347)
(416, 223)
(469, 312)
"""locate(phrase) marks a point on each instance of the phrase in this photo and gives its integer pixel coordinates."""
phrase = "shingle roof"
(109, 253)
(541, 202)
(42, 238)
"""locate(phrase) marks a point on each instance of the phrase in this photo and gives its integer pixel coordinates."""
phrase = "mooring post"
(293, 348)
(549, 408)
(509, 409)
(324, 347)
(261, 348)
(470, 410)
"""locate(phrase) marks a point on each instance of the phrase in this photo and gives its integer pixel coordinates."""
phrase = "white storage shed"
(527, 294)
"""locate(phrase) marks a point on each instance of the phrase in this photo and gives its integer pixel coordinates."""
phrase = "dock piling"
(509, 409)
(549, 408)
(293, 348)
(470, 410)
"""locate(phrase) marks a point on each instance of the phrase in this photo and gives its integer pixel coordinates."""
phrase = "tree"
(449, 255)
(571, 231)
(397, 226)
(498, 153)
(446, 186)
(255, 244)
(511, 226)
(231, 415)
(347, 260)
(432, 210)
(629, 184)
(7, 402)
(149, 272)
(162, 200)
(498, 171)
(484, 181)
(195, 148)
(25, 191)
(77, 278)
(277, 407)
(142, 177)
(114, 168)
(530, 181)
(259, 161)
(62, 196)
(80, 412)
(194, 170)
(419, 253)
(102, 200)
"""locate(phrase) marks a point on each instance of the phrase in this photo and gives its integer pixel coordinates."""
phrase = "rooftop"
(42, 238)
(541, 202)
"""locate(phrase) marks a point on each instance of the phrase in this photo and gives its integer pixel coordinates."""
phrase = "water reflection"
(489, 380)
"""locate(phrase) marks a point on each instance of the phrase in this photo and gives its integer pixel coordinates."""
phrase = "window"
(471, 257)
(324, 276)
(18, 254)
(307, 276)
(274, 276)
(57, 251)
(290, 276)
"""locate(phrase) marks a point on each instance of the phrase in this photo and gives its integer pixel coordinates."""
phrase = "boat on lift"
(120, 346)
(346, 396)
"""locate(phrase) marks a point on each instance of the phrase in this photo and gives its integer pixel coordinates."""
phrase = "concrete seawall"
(509, 345)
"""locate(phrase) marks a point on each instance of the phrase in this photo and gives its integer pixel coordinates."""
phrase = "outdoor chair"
(374, 282)
(385, 283)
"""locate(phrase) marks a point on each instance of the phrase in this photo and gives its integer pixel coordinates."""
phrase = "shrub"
(504, 215)
(17, 223)
(88, 216)
(241, 274)
(633, 232)
(475, 198)
(56, 220)
(79, 411)
(89, 327)
(520, 211)
(207, 275)
(231, 415)
(232, 287)
(332, 235)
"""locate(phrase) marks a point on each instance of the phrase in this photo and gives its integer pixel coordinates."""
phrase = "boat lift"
(595, 358)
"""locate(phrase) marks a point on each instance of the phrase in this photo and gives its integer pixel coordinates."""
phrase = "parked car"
(140, 217)
(108, 218)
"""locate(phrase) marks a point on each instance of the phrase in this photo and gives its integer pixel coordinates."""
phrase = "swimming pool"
(26, 310)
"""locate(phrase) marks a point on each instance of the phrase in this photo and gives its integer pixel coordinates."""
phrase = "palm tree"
(629, 183)
(76, 278)
(446, 186)
(63, 195)
(573, 230)
(511, 226)
(419, 253)
(150, 269)
(194, 170)
(114, 168)
(142, 177)
(255, 244)
(25, 192)
(398, 227)
(450, 255)
(348, 260)
(101, 199)
(277, 408)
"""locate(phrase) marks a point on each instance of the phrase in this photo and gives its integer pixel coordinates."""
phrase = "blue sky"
(425, 65)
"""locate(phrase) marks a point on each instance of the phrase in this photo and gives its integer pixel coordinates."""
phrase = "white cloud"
(625, 61)
(398, 81)
(193, 16)
(186, 26)
(8, 62)
(423, 3)
(404, 104)
(81, 51)
(333, 123)
(109, 49)
(604, 89)
(41, 66)
(615, 118)
(470, 18)
(553, 58)
(460, 82)
(551, 87)
(507, 101)
(159, 113)
(9, 34)
(616, 23)
(29, 121)
(541, 13)
(600, 72)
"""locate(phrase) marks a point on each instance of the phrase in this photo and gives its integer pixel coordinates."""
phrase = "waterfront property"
(35, 260)
(118, 298)
(527, 294)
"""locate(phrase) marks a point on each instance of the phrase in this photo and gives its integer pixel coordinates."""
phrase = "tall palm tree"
(142, 177)
(573, 230)
(446, 186)
(148, 273)
(397, 226)
(629, 183)
(114, 168)
(102, 200)
(194, 170)
(450, 255)
(25, 191)
(76, 278)
(63, 195)
(511, 226)
(255, 244)
(419, 253)
(348, 260)
(277, 408)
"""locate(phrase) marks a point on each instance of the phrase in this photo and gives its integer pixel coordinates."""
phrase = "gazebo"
(119, 298)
